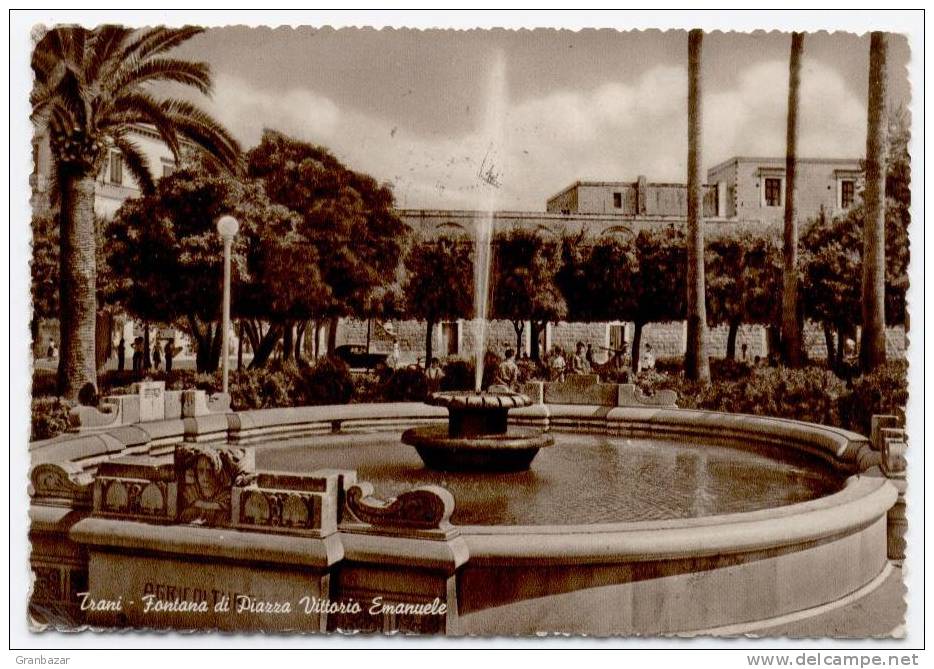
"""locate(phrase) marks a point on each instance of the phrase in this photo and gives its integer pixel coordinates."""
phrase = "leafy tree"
(610, 275)
(165, 254)
(660, 295)
(525, 267)
(744, 279)
(90, 88)
(347, 218)
(834, 246)
(439, 284)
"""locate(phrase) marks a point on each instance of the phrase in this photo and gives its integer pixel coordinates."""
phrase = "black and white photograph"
(411, 332)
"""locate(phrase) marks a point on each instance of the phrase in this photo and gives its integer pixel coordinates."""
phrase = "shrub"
(328, 381)
(49, 417)
(809, 394)
(44, 383)
(366, 388)
(458, 375)
(264, 388)
(884, 391)
(406, 384)
(728, 369)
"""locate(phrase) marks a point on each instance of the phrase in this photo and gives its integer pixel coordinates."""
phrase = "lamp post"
(227, 227)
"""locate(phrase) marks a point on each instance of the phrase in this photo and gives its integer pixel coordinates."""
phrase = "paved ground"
(881, 613)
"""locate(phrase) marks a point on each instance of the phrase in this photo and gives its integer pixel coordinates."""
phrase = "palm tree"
(791, 324)
(872, 346)
(696, 365)
(91, 87)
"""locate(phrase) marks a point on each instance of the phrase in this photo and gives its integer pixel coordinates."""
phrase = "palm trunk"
(872, 347)
(78, 284)
(696, 364)
(791, 331)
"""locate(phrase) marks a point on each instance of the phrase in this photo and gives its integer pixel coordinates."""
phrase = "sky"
(445, 116)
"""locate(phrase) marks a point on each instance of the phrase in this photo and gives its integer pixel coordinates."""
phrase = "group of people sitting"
(578, 363)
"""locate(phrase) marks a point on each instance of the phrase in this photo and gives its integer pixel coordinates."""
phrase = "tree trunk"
(300, 340)
(696, 364)
(77, 284)
(872, 346)
(828, 340)
(534, 331)
(636, 345)
(791, 330)
(332, 334)
(429, 327)
(731, 340)
(266, 346)
(519, 327)
(217, 344)
(240, 345)
(369, 327)
(288, 341)
(103, 339)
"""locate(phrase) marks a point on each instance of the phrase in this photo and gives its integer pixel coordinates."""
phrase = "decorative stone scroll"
(423, 508)
(65, 484)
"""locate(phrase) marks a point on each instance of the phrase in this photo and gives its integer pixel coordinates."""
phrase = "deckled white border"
(20, 156)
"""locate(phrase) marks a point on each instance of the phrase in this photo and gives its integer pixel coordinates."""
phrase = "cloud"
(616, 131)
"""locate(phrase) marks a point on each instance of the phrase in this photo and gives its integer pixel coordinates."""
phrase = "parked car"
(356, 356)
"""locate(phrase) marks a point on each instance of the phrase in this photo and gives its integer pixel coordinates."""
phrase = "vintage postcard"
(470, 333)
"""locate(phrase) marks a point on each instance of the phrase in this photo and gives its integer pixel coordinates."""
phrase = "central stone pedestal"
(477, 437)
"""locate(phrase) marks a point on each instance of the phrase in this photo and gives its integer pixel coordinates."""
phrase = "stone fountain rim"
(478, 400)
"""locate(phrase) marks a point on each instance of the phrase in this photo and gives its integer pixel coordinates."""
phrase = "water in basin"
(581, 479)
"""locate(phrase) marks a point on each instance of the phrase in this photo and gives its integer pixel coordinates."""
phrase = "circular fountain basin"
(582, 480)
(477, 437)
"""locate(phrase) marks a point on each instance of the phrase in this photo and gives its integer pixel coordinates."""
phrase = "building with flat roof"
(753, 189)
(742, 188)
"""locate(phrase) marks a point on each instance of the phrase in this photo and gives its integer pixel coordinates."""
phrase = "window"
(617, 200)
(773, 192)
(847, 193)
(116, 169)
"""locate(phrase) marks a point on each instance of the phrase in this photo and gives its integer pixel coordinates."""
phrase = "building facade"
(114, 184)
(753, 189)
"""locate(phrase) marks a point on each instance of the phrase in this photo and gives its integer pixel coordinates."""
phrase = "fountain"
(638, 518)
(476, 437)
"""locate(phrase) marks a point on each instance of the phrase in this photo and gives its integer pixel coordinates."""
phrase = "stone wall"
(667, 339)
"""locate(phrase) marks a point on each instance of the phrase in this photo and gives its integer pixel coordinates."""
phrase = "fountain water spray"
(490, 178)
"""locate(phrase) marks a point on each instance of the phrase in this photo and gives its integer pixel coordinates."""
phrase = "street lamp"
(227, 227)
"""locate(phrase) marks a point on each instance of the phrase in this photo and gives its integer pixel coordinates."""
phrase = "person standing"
(156, 355)
(121, 355)
(169, 354)
(137, 355)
